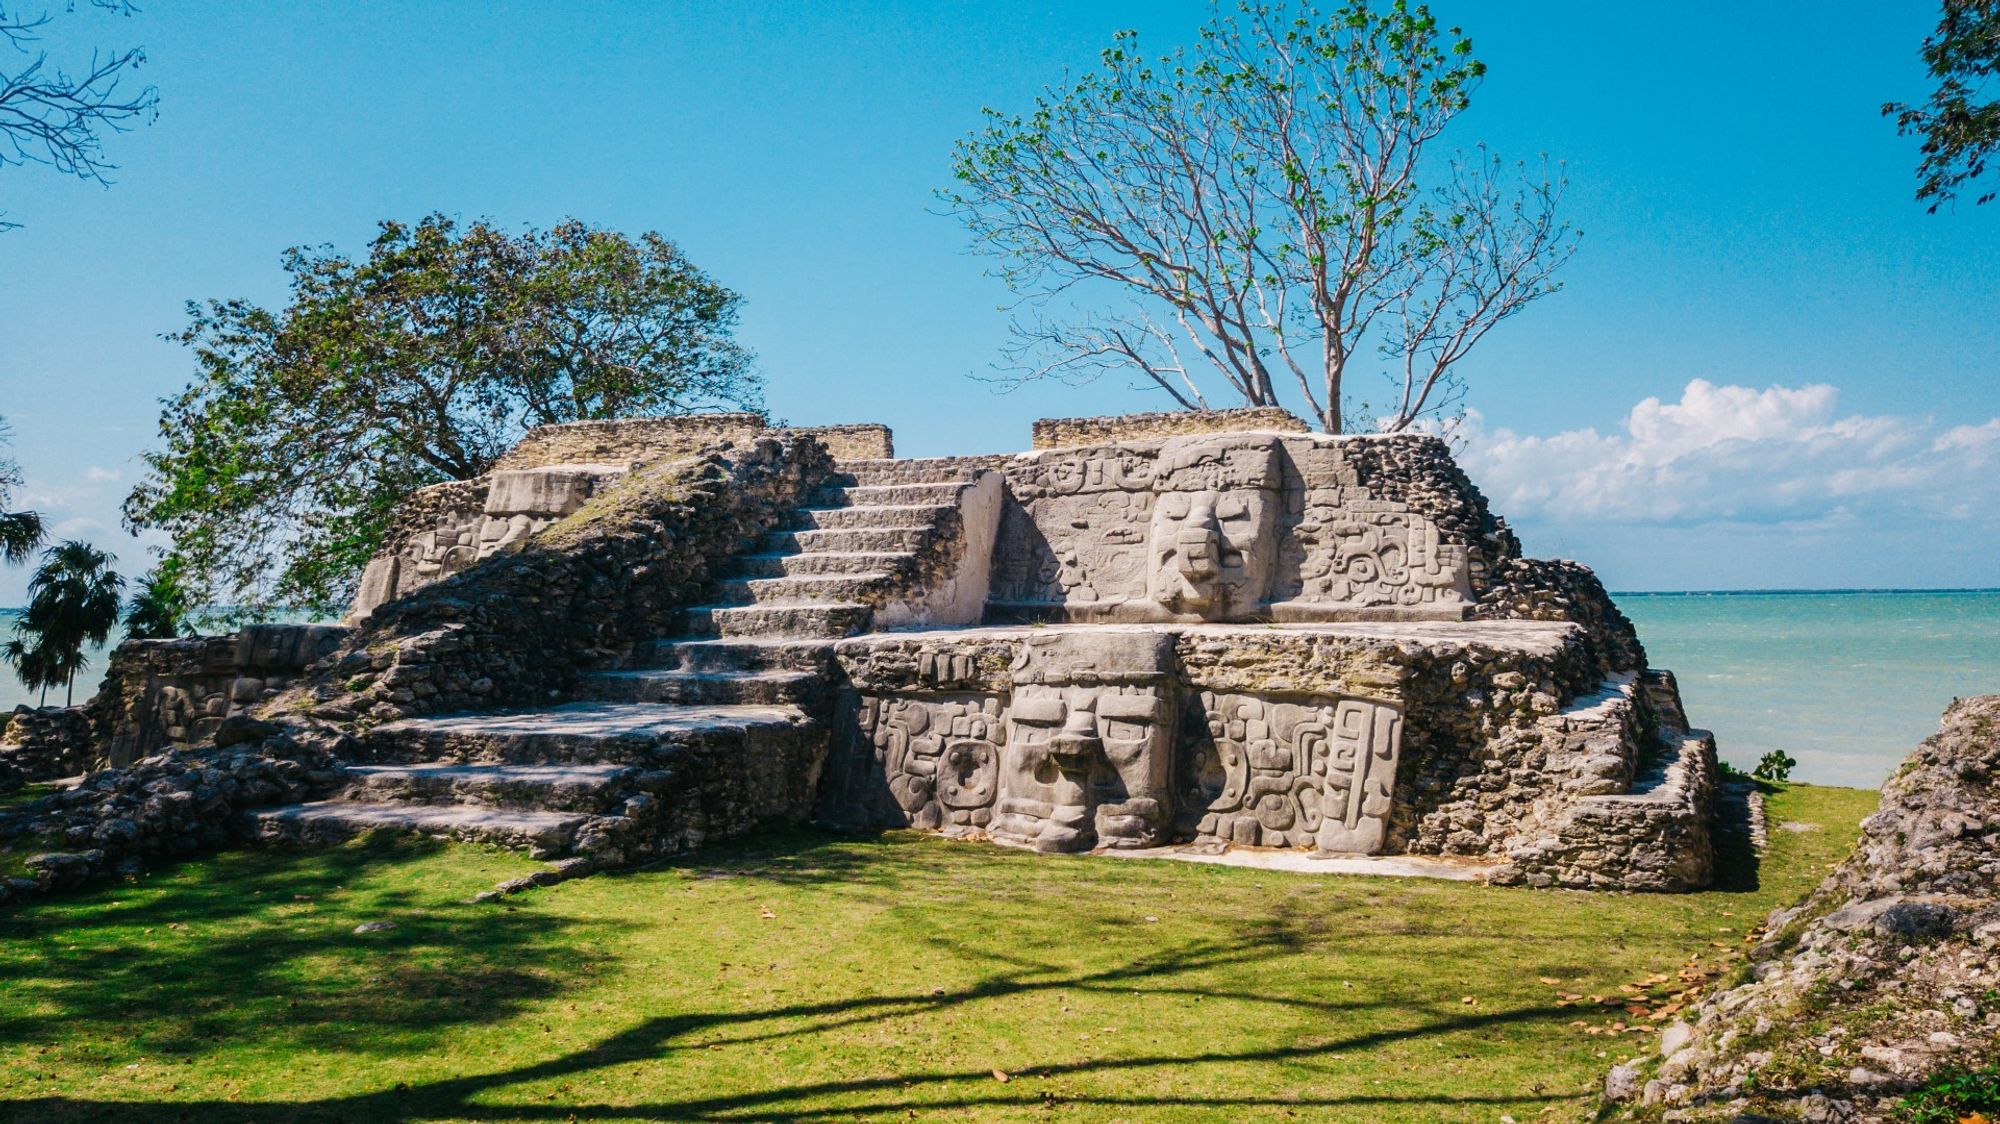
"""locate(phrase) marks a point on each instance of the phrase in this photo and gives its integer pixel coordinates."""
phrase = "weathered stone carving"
(1090, 740)
(1097, 742)
(938, 756)
(1229, 527)
(1317, 773)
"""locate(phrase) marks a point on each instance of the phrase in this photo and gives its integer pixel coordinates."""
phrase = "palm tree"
(73, 602)
(159, 610)
(32, 666)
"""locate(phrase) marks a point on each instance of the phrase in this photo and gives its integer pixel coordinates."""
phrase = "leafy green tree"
(57, 115)
(420, 363)
(1960, 124)
(20, 531)
(73, 603)
(1777, 765)
(158, 611)
(1269, 208)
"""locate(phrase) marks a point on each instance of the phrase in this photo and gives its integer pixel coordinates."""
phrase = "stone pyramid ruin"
(1188, 634)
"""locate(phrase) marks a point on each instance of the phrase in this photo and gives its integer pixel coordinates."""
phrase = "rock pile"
(177, 803)
(1883, 982)
(522, 628)
(39, 744)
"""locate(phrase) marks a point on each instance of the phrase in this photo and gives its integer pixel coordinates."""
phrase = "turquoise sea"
(1846, 682)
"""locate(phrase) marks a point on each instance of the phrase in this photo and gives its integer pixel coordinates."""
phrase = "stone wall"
(45, 743)
(521, 627)
(1058, 433)
(1619, 795)
(627, 441)
(1884, 979)
(1536, 589)
(866, 441)
(158, 693)
(448, 528)
(174, 804)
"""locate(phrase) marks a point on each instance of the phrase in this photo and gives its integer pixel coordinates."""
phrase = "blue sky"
(1770, 367)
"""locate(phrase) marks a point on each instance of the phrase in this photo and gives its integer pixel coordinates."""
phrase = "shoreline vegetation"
(748, 982)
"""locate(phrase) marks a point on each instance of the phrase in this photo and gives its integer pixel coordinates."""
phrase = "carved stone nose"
(1073, 748)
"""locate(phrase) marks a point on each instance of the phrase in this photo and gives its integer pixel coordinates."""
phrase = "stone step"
(904, 540)
(819, 562)
(802, 589)
(733, 687)
(545, 788)
(914, 470)
(869, 515)
(885, 495)
(330, 821)
(800, 619)
(815, 656)
(580, 732)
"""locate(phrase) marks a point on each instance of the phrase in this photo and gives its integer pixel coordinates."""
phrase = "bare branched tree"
(1268, 211)
(54, 116)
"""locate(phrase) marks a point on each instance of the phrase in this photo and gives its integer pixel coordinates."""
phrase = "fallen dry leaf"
(1001, 1076)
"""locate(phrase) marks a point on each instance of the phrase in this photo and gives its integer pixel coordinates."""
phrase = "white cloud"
(1738, 454)
(97, 474)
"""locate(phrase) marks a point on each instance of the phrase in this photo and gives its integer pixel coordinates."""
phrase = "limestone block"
(551, 492)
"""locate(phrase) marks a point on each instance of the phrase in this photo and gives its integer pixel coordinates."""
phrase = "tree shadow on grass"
(261, 944)
(685, 1038)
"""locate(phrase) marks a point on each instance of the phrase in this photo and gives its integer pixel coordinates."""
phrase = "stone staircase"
(855, 546)
(705, 736)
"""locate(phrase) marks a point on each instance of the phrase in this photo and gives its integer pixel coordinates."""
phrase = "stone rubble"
(1885, 977)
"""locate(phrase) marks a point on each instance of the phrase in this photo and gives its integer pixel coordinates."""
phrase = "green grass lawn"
(806, 977)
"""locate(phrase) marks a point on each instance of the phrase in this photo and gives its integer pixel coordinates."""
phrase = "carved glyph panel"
(1374, 552)
(937, 756)
(1317, 773)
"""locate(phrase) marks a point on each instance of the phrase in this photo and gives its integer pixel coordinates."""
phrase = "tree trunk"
(1332, 419)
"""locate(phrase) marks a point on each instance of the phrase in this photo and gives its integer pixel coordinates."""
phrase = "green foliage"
(1259, 207)
(20, 531)
(1960, 124)
(1952, 1096)
(73, 601)
(283, 462)
(159, 610)
(1776, 765)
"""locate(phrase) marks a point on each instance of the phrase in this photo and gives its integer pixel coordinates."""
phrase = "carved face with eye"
(1135, 726)
(1209, 553)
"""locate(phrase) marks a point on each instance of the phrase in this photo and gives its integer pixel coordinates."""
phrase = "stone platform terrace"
(1199, 635)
